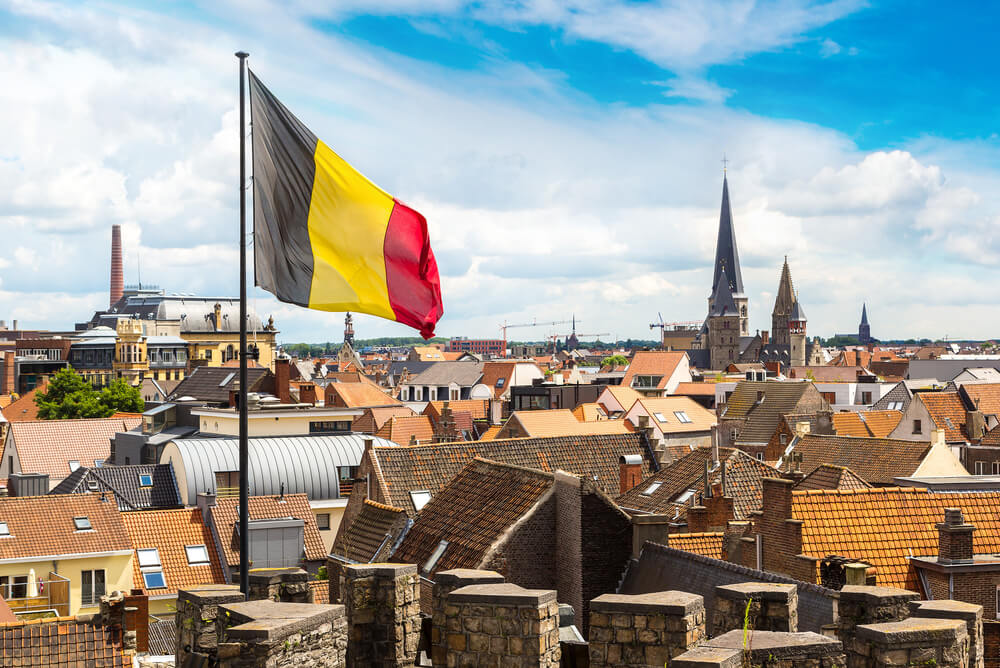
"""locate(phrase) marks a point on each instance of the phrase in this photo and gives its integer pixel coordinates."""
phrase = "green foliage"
(614, 360)
(321, 573)
(841, 340)
(69, 395)
(303, 350)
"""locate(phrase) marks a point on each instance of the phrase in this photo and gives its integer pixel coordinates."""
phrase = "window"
(92, 587)
(151, 568)
(682, 416)
(980, 468)
(866, 397)
(145, 480)
(329, 426)
(229, 377)
(4, 529)
(98, 463)
(917, 428)
(652, 488)
(760, 456)
(659, 417)
(82, 524)
(435, 556)
(685, 497)
(208, 354)
(783, 439)
(154, 579)
(646, 381)
(149, 556)
(895, 406)
(323, 521)
(73, 465)
(996, 468)
(92, 485)
(197, 555)
(500, 382)
(420, 498)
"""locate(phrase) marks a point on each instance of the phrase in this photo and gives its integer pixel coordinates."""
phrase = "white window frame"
(682, 417)
(4, 530)
(980, 468)
(142, 554)
(83, 523)
(651, 489)
(435, 556)
(659, 417)
(414, 494)
(143, 476)
(93, 596)
(199, 562)
(319, 525)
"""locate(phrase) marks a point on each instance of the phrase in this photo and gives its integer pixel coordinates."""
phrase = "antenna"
(138, 266)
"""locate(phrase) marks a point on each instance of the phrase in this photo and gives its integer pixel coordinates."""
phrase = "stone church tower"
(864, 329)
(724, 323)
(783, 305)
(727, 264)
(796, 334)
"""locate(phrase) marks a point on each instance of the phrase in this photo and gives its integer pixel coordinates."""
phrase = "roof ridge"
(383, 506)
(516, 467)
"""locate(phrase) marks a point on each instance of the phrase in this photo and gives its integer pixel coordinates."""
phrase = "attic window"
(659, 417)
(98, 463)
(197, 555)
(74, 464)
(420, 498)
(435, 556)
(682, 416)
(225, 381)
(151, 568)
(500, 382)
(149, 556)
(82, 524)
(92, 485)
(145, 480)
(949, 423)
(4, 529)
(652, 488)
(685, 497)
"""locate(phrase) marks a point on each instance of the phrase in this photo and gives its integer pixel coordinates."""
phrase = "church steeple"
(864, 314)
(726, 254)
(786, 292)
(722, 299)
(864, 329)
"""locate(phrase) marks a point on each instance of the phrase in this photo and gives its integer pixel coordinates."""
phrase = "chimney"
(218, 316)
(802, 428)
(117, 274)
(715, 442)
(975, 423)
(937, 438)
(777, 495)
(137, 618)
(7, 385)
(954, 538)
(629, 472)
(234, 395)
(282, 373)
(307, 393)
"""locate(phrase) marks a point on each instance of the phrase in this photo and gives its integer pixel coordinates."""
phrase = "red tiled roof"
(876, 460)
(947, 411)
(170, 531)
(828, 476)
(696, 389)
(47, 446)
(705, 544)
(225, 517)
(985, 396)
(403, 430)
(23, 408)
(43, 526)
(357, 395)
(869, 423)
(652, 363)
(373, 419)
(363, 540)
(61, 642)
(478, 407)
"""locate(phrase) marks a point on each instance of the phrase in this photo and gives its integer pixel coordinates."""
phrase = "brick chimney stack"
(954, 538)
(630, 472)
(117, 273)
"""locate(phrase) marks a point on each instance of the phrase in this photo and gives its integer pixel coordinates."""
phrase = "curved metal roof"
(306, 464)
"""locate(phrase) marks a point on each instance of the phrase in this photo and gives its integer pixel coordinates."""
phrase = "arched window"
(230, 353)
(743, 312)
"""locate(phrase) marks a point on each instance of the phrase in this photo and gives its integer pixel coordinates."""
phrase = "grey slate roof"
(196, 314)
(442, 373)
(661, 568)
(798, 313)
(213, 383)
(722, 298)
(726, 254)
(945, 370)
(163, 637)
(124, 483)
(305, 464)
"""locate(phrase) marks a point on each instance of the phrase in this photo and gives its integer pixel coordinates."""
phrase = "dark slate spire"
(864, 314)
(722, 298)
(798, 314)
(726, 255)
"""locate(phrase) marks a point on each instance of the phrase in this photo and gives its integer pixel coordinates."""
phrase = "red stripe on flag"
(411, 272)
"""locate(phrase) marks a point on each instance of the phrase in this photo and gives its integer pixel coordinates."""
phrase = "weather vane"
(724, 163)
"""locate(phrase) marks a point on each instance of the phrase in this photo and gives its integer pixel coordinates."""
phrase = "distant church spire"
(786, 292)
(726, 255)
(722, 298)
(864, 314)
(864, 329)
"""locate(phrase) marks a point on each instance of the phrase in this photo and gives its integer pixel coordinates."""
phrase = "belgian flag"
(327, 238)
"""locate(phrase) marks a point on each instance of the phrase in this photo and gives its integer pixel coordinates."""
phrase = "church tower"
(349, 329)
(864, 330)
(572, 343)
(723, 326)
(727, 264)
(797, 340)
(783, 305)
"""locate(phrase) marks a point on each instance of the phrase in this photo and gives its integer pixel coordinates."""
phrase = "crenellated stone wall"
(502, 625)
(445, 583)
(969, 613)
(286, 585)
(871, 605)
(197, 615)
(761, 606)
(270, 634)
(764, 649)
(917, 642)
(645, 629)
(383, 612)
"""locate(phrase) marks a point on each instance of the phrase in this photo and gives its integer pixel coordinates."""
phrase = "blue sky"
(566, 155)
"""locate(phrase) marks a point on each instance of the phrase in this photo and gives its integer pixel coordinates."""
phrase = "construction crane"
(534, 323)
(660, 324)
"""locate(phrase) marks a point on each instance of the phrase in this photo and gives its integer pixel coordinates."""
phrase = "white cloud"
(829, 48)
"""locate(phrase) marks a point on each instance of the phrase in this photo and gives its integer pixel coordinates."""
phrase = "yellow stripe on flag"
(348, 217)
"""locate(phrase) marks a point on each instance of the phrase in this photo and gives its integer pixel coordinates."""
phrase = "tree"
(614, 360)
(69, 395)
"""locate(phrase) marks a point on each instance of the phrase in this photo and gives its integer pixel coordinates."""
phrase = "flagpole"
(244, 436)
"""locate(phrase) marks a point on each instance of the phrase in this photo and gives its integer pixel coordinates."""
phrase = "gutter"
(74, 555)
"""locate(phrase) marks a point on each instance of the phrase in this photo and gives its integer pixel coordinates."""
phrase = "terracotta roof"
(876, 460)
(43, 526)
(701, 419)
(321, 591)
(373, 419)
(828, 476)
(23, 408)
(494, 371)
(170, 531)
(652, 363)
(490, 433)
(625, 396)
(590, 412)
(992, 437)
(364, 539)
(827, 374)
(225, 517)
(869, 423)
(853, 358)
(61, 642)
(885, 526)
(125, 483)
(947, 411)
(357, 395)
(762, 405)
(743, 483)
(400, 470)
(403, 429)
(695, 389)
(47, 446)
(986, 396)
(479, 408)
(558, 422)
(428, 353)
(705, 544)
(472, 512)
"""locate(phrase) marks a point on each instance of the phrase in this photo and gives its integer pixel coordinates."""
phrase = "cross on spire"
(725, 162)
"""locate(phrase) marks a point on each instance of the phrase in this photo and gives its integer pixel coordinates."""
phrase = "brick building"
(754, 411)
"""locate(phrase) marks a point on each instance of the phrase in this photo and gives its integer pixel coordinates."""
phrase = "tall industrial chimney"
(117, 277)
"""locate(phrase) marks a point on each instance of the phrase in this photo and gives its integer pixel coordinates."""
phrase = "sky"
(567, 154)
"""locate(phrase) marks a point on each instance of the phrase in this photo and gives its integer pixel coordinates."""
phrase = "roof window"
(92, 485)
(435, 556)
(652, 488)
(225, 381)
(420, 498)
(4, 529)
(682, 416)
(500, 382)
(659, 417)
(74, 464)
(151, 568)
(82, 523)
(145, 480)
(148, 556)
(197, 555)
(154, 579)
(685, 497)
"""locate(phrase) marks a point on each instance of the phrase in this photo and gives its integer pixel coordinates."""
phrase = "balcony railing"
(52, 597)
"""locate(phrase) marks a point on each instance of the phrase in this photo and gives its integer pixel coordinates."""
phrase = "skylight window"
(685, 497)
(4, 529)
(435, 556)
(659, 417)
(420, 498)
(652, 488)
(98, 463)
(74, 464)
(682, 416)
(196, 554)
(500, 382)
(145, 480)
(154, 579)
(225, 381)
(152, 569)
(92, 485)
(149, 556)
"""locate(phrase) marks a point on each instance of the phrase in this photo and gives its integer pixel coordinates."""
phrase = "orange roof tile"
(947, 411)
(62, 642)
(663, 411)
(224, 516)
(829, 476)
(695, 389)
(43, 526)
(559, 422)
(623, 396)
(986, 396)
(652, 363)
(885, 526)
(170, 531)
(23, 408)
(869, 423)
(490, 433)
(357, 395)
(705, 544)
(478, 407)
(47, 446)
(407, 429)
(590, 412)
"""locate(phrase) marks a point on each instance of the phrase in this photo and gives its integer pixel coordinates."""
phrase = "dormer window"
(82, 524)
(420, 498)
